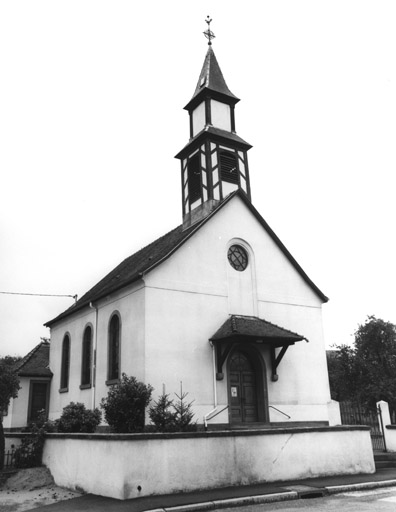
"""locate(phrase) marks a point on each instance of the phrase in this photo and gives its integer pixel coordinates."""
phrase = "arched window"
(229, 167)
(114, 349)
(86, 362)
(65, 364)
(194, 179)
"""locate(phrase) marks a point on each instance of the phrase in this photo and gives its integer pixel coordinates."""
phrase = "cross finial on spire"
(208, 33)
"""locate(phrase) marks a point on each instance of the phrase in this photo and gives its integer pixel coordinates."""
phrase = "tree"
(9, 386)
(366, 372)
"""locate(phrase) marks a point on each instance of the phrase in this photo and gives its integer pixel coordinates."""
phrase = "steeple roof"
(211, 80)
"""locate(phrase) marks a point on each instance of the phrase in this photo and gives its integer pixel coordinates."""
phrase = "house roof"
(146, 259)
(211, 81)
(36, 362)
(245, 327)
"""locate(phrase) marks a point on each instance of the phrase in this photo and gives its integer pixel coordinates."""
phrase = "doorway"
(38, 399)
(243, 389)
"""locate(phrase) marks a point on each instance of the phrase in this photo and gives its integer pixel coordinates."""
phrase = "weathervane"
(208, 33)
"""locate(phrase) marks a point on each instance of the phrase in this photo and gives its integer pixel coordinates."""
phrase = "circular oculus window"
(238, 258)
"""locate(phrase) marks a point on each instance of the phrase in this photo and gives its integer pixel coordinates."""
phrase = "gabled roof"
(246, 327)
(211, 81)
(146, 259)
(36, 362)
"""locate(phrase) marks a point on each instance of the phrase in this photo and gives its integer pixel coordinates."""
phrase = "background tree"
(366, 372)
(9, 386)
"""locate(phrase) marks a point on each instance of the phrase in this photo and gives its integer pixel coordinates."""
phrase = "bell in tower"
(214, 162)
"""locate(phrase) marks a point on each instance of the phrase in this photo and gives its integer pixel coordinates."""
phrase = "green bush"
(76, 418)
(125, 404)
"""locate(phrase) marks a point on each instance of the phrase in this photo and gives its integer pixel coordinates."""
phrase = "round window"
(238, 258)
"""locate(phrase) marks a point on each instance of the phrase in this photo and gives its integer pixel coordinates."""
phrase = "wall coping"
(210, 434)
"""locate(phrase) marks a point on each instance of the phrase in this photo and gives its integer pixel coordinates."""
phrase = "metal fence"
(9, 459)
(356, 414)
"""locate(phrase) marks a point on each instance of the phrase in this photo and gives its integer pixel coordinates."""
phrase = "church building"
(218, 303)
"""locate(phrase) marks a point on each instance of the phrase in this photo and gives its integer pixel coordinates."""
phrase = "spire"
(211, 80)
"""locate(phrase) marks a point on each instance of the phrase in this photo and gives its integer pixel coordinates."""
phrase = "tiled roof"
(132, 268)
(35, 363)
(143, 261)
(237, 326)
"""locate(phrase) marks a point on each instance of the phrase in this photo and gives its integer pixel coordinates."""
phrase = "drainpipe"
(214, 387)
(94, 355)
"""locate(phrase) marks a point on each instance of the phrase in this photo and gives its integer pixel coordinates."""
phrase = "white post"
(389, 436)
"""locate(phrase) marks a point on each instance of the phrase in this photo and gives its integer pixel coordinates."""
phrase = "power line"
(40, 294)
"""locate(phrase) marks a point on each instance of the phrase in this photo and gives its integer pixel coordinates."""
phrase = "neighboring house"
(34, 380)
(218, 303)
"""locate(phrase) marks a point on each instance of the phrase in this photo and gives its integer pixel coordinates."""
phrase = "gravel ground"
(31, 488)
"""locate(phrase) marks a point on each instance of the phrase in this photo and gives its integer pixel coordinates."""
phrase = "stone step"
(388, 456)
(380, 464)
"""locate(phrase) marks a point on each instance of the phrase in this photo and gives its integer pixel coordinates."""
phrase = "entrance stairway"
(384, 460)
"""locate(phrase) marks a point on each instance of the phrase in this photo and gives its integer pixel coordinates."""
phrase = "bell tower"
(214, 162)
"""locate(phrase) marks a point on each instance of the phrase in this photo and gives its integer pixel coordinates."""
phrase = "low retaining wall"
(133, 465)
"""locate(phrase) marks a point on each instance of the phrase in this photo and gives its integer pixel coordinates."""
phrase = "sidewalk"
(230, 496)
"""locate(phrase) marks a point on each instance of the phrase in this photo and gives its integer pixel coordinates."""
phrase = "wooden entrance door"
(243, 389)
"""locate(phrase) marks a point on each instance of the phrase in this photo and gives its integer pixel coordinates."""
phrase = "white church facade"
(218, 303)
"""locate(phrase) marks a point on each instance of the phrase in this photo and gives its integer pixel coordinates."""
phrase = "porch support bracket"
(221, 356)
(275, 360)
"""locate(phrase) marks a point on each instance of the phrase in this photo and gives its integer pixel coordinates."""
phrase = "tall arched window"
(114, 349)
(65, 364)
(86, 362)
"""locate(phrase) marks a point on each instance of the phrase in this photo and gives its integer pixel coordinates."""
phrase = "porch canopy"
(250, 329)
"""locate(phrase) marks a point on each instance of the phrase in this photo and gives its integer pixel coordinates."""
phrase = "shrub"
(125, 404)
(76, 418)
(29, 453)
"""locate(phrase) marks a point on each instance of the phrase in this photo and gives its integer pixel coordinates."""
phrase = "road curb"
(335, 489)
(270, 498)
(231, 502)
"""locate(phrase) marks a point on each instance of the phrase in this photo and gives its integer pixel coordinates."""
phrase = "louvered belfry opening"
(194, 179)
(229, 167)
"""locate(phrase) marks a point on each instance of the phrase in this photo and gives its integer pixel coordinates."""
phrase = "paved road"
(376, 500)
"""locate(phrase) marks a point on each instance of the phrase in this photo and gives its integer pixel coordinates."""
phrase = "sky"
(91, 116)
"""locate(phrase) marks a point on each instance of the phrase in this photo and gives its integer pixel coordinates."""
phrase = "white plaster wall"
(18, 409)
(7, 420)
(180, 463)
(191, 294)
(130, 305)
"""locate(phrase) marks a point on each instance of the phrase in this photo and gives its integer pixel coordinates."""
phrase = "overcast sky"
(91, 116)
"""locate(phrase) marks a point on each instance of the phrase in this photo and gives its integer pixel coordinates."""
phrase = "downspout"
(94, 355)
(214, 387)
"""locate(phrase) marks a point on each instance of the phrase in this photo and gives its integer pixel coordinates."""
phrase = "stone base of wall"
(134, 465)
